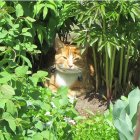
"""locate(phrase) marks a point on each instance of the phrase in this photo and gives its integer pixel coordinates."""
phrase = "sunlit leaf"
(109, 49)
(40, 35)
(25, 59)
(30, 19)
(39, 125)
(37, 136)
(51, 6)
(25, 30)
(7, 91)
(21, 71)
(133, 16)
(19, 10)
(45, 12)
(11, 108)
(26, 34)
(11, 121)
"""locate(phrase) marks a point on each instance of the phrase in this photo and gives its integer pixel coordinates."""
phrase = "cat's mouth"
(74, 69)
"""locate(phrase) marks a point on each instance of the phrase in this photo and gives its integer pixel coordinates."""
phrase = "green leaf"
(93, 41)
(37, 136)
(11, 108)
(4, 80)
(51, 6)
(48, 135)
(24, 30)
(134, 99)
(38, 8)
(27, 34)
(103, 10)
(3, 34)
(1, 136)
(133, 16)
(3, 102)
(7, 91)
(25, 59)
(21, 71)
(45, 12)
(30, 19)
(34, 80)
(121, 125)
(11, 121)
(62, 91)
(42, 74)
(19, 10)
(2, 3)
(109, 49)
(10, 9)
(40, 35)
(63, 101)
(39, 125)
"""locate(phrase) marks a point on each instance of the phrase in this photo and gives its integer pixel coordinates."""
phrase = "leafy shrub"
(99, 127)
(124, 113)
(28, 111)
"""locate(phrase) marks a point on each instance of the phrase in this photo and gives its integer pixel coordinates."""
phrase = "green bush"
(99, 127)
(28, 111)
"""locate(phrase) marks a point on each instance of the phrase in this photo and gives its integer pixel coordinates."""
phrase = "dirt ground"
(92, 102)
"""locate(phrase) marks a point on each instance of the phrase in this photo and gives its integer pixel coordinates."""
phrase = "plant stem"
(112, 67)
(96, 70)
(126, 65)
(121, 64)
(106, 71)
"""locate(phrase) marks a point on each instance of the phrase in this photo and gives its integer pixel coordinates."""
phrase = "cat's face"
(68, 57)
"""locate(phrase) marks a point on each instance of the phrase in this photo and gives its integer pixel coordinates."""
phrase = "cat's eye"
(64, 57)
(77, 58)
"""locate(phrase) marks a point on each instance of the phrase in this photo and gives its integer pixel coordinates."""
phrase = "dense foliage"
(111, 28)
(31, 112)
(99, 127)
(27, 32)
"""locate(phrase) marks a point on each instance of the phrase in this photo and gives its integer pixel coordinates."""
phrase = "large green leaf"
(11, 121)
(118, 107)
(7, 91)
(5, 79)
(19, 10)
(122, 127)
(11, 108)
(39, 125)
(51, 6)
(21, 71)
(38, 136)
(134, 99)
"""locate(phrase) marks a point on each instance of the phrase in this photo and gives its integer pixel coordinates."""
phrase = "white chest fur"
(66, 79)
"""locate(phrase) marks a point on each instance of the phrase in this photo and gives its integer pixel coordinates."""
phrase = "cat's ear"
(58, 45)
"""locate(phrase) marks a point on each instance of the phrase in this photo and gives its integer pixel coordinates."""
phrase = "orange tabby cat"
(72, 70)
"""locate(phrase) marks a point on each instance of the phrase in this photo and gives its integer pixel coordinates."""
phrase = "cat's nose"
(70, 66)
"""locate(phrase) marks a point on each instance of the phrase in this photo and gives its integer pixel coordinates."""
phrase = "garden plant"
(28, 29)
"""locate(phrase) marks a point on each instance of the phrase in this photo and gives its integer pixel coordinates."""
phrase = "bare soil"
(92, 102)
